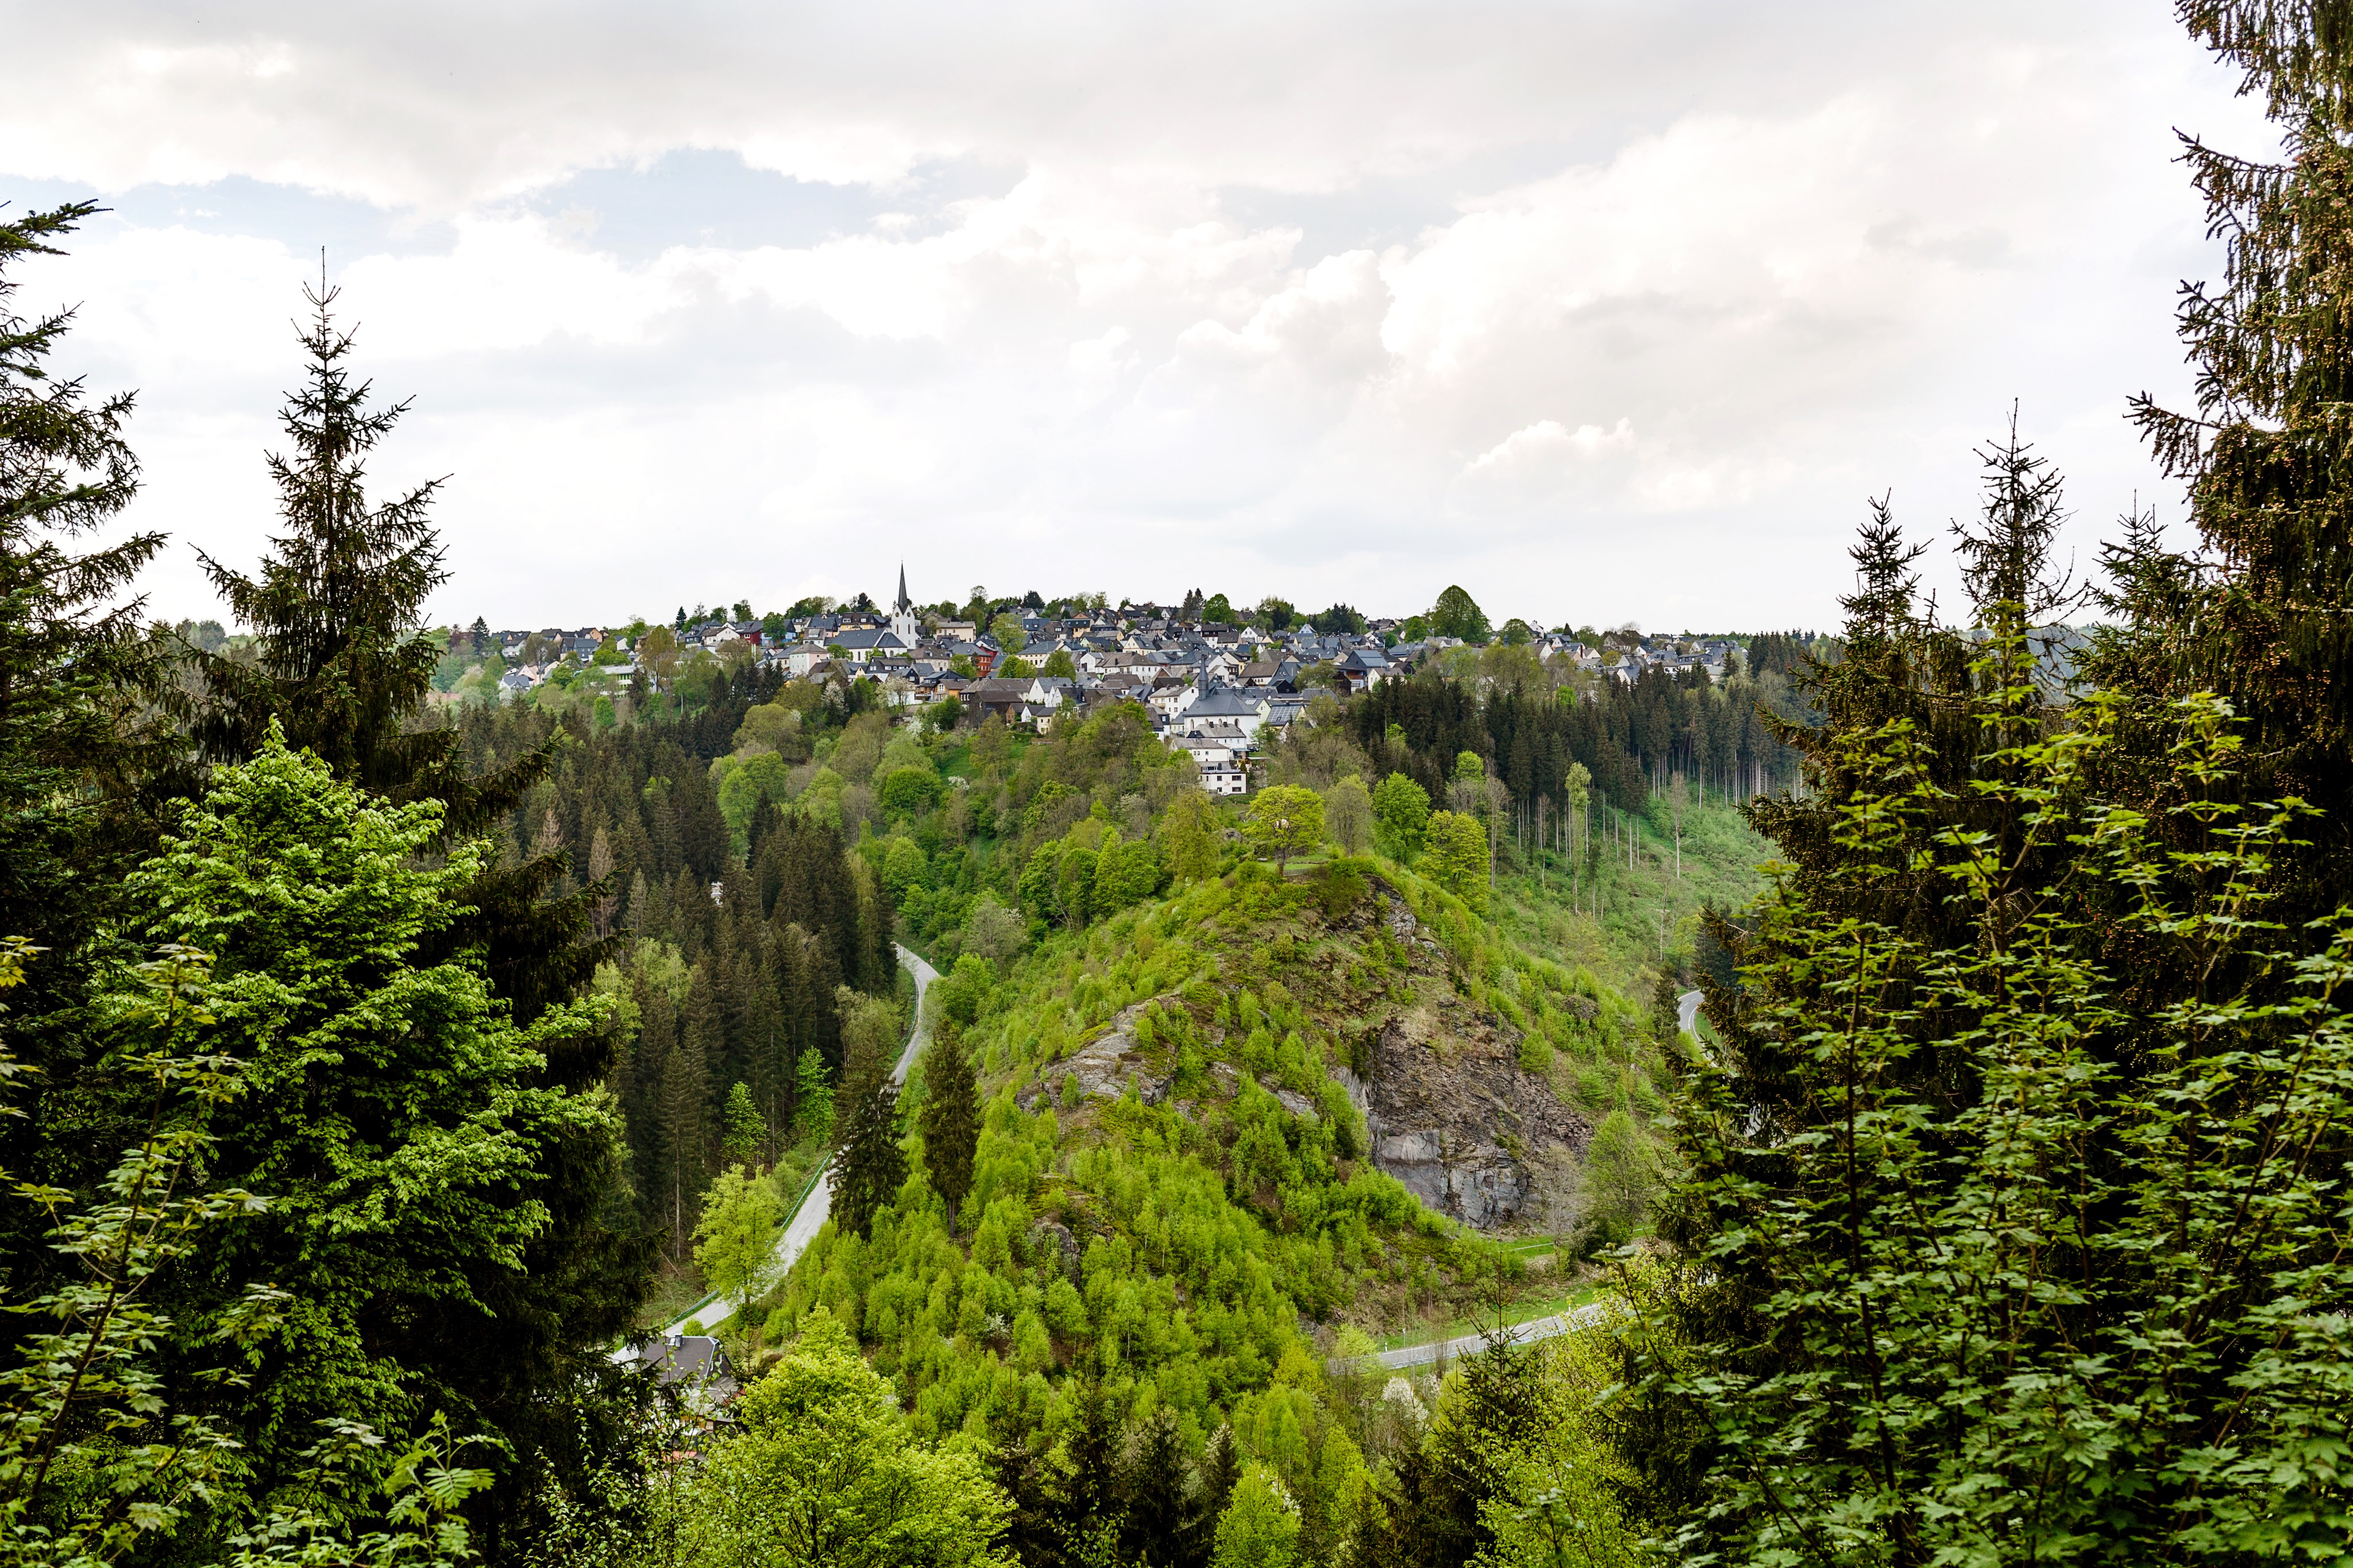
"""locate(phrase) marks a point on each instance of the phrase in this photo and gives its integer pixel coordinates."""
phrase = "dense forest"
(382, 1058)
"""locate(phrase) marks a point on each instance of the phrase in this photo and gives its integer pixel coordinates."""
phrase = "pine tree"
(339, 659)
(950, 1117)
(679, 1089)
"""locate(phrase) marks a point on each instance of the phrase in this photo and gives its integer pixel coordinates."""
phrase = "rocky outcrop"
(1104, 1067)
(1453, 1116)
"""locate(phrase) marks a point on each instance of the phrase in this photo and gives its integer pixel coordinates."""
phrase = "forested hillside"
(386, 1050)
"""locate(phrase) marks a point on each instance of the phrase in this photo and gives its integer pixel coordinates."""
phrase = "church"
(902, 614)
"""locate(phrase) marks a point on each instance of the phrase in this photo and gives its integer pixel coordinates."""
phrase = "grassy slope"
(1217, 1231)
(1539, 908)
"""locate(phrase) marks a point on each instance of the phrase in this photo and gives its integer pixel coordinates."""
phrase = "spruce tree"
(74, 759)
(868, 1164)
(2262, 614)
(1164, 1523)
(341, 663)
(950, 1117)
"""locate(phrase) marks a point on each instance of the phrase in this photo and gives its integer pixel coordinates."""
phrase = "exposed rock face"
(1448, 1111)
(1452, 1115)
(1104, 1066)
(1050, 1238)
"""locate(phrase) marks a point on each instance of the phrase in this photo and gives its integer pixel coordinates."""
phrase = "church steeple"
(902, 614)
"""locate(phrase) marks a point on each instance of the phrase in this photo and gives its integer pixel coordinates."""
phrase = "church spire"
(903, 587)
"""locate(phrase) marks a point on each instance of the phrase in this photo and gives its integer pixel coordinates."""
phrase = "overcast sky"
(1607, 311)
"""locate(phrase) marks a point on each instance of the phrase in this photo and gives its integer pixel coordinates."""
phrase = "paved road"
(801, 1228)
(1584, 1317)
(1687, 1012)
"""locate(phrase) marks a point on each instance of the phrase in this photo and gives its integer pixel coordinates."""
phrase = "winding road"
(1584, 1317)
(802, 1226)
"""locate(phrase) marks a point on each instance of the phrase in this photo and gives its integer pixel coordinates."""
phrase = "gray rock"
(1458, 1126)
(1296, 1103)
(1052, 1238)
(1105, 1066)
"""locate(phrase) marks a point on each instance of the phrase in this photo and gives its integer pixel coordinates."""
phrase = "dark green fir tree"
(74, 757)
(341, 663)
(869, 1166)
(950, 1117)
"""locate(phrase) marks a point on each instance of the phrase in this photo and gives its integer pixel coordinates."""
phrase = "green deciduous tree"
(1454, 855)
(1284, 820)
(1260, 1528)
(822, 1473)
(1400, 816)
(1187, 835)
(1456, 615)
(1126, 873)
(908, 791)
(1349, 815)
(735, 1238)
(390, 1106)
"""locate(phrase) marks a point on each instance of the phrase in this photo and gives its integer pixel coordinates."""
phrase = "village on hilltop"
(1211, 685)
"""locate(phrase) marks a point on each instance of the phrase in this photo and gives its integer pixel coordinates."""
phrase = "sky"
(1608, 311)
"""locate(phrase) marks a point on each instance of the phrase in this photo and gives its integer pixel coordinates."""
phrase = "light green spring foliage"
(822, 1472)
(1203, 1232)
(1454, 855)
(1562, 1503)
(812, 1098)
(387, 1108)
(1400, 816)
(100, 1453)
(1349, 815)
(743, 1130)
(1283, 821)
(1187, 836)
(1260, 1528)
(735, 1237)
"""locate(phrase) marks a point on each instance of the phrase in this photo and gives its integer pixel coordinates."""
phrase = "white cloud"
(1603, 311)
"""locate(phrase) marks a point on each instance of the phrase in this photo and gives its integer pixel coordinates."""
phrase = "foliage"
(1284, 820)
(735, 1237)
(73, 675)
(745, 1128)
(1400, 816)
(389, 1105)
(823, 1473)
(339, 665)
(1349, 815)
(869, 1164)
(1188, 833)
(950, 1116)
(1456, 615)
(1455, 856)
(1260, 1528)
